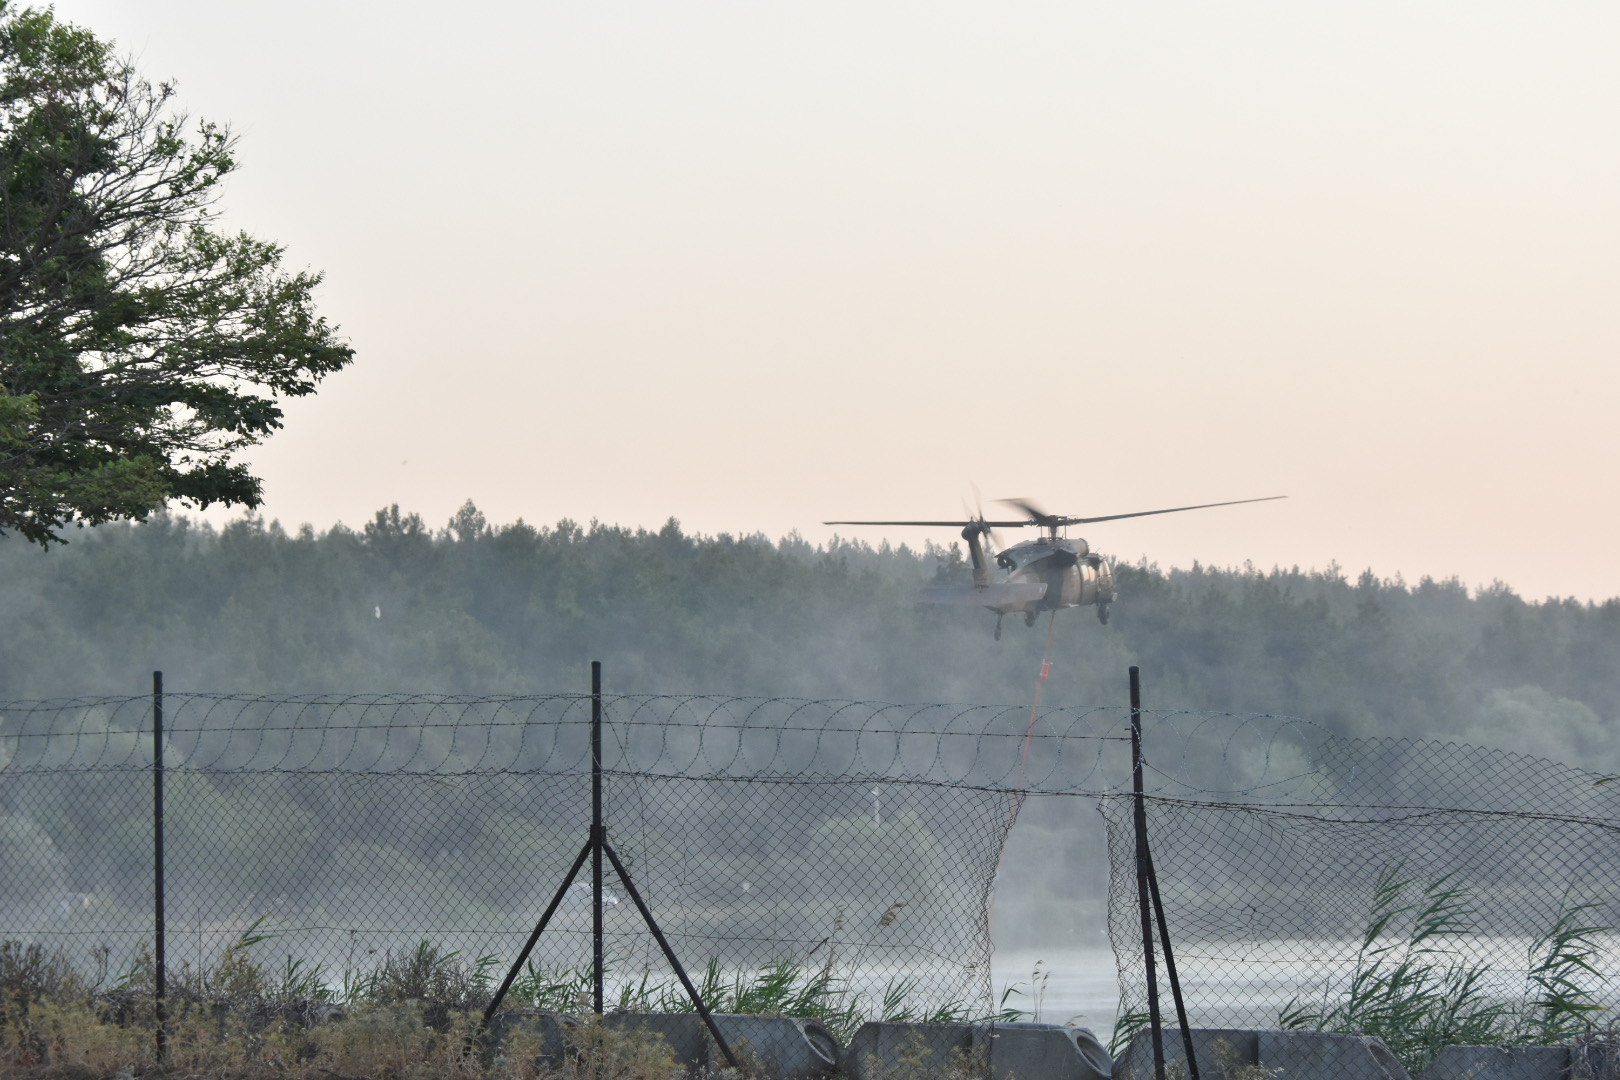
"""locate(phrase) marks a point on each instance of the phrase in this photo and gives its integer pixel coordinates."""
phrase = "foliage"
(414, 1014)
(598, 1051)
(784, 988)
(35, 869)
(896, 859)
(478, 608)
(1562, 1008)
(395, 1039)
(237, 975)
(140, 345)
(1404, 991)
(29, 974)
(488, 608)
(1127, 1026)
(1231, 1066)
(432, 975)
(68, 1038)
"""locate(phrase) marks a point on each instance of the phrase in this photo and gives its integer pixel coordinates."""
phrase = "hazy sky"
(755, 265)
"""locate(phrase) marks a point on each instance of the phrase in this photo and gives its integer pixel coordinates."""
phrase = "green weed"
(1405, 991)
(784, 988)
(413, 1014)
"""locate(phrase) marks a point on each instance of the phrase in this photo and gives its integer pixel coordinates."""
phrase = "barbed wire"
(861, 834)
(1300, 902)
(1050, 750)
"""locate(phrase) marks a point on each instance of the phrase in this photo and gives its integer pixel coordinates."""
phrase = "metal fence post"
(598, 833)
(1142, 882)
(596, 847)
(1170, 972)
(159, 930)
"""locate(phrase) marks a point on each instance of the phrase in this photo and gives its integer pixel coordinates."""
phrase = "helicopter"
(1047, 573)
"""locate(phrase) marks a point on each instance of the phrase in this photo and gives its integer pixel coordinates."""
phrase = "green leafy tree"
(36, 870)
(893, 863)
(140, 345)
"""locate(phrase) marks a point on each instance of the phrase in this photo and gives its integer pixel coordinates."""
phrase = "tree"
(140, 345)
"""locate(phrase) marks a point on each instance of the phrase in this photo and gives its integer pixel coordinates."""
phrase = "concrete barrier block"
(789, 1048)
(1025, 1051)
(785, 1047)
(684, 1033)
(1500, 1063)
(552, 1031)
(1241, 1047)
(880, 1051)
(1320, 1055)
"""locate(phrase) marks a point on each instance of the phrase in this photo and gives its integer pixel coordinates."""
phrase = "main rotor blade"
(940, 524)
(1036, 514)
(1039, 517)
(1172, 510)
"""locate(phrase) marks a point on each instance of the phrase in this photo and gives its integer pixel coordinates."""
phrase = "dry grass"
(1230, 1064)
(1595, 1053)
(415, 1016)
(53, 1041)
(919, 1058)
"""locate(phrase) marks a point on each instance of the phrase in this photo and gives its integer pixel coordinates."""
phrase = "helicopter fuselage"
(1044, 574)
(1073, 574)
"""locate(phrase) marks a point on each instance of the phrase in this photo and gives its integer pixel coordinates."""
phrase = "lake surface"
(1078, 985)
(1248, 986)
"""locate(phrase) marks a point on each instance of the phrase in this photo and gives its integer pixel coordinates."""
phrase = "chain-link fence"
(1431, 894)
(854, 839)
(1307, 880)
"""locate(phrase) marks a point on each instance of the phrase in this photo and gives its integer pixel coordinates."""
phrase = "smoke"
(398, 606)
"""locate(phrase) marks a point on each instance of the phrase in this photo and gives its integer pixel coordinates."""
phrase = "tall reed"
(1410, 988)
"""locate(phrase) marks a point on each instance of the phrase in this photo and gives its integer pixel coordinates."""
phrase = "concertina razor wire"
(857, 838)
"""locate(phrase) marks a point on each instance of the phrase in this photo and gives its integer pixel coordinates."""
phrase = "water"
(1250, 985)
(1070, 985)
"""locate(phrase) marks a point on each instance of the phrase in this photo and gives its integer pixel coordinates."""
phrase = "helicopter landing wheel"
(998, 627)
(1102, 614)
(1029, 618)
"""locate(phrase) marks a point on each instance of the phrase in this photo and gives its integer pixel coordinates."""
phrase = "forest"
(400, 606)
(475, 608)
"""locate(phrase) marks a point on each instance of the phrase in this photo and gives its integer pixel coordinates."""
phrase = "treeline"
(475, 608)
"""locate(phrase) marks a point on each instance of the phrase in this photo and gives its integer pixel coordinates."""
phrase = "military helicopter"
(1043, 574)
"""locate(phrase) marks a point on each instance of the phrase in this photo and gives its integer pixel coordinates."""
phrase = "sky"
(759, 265)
